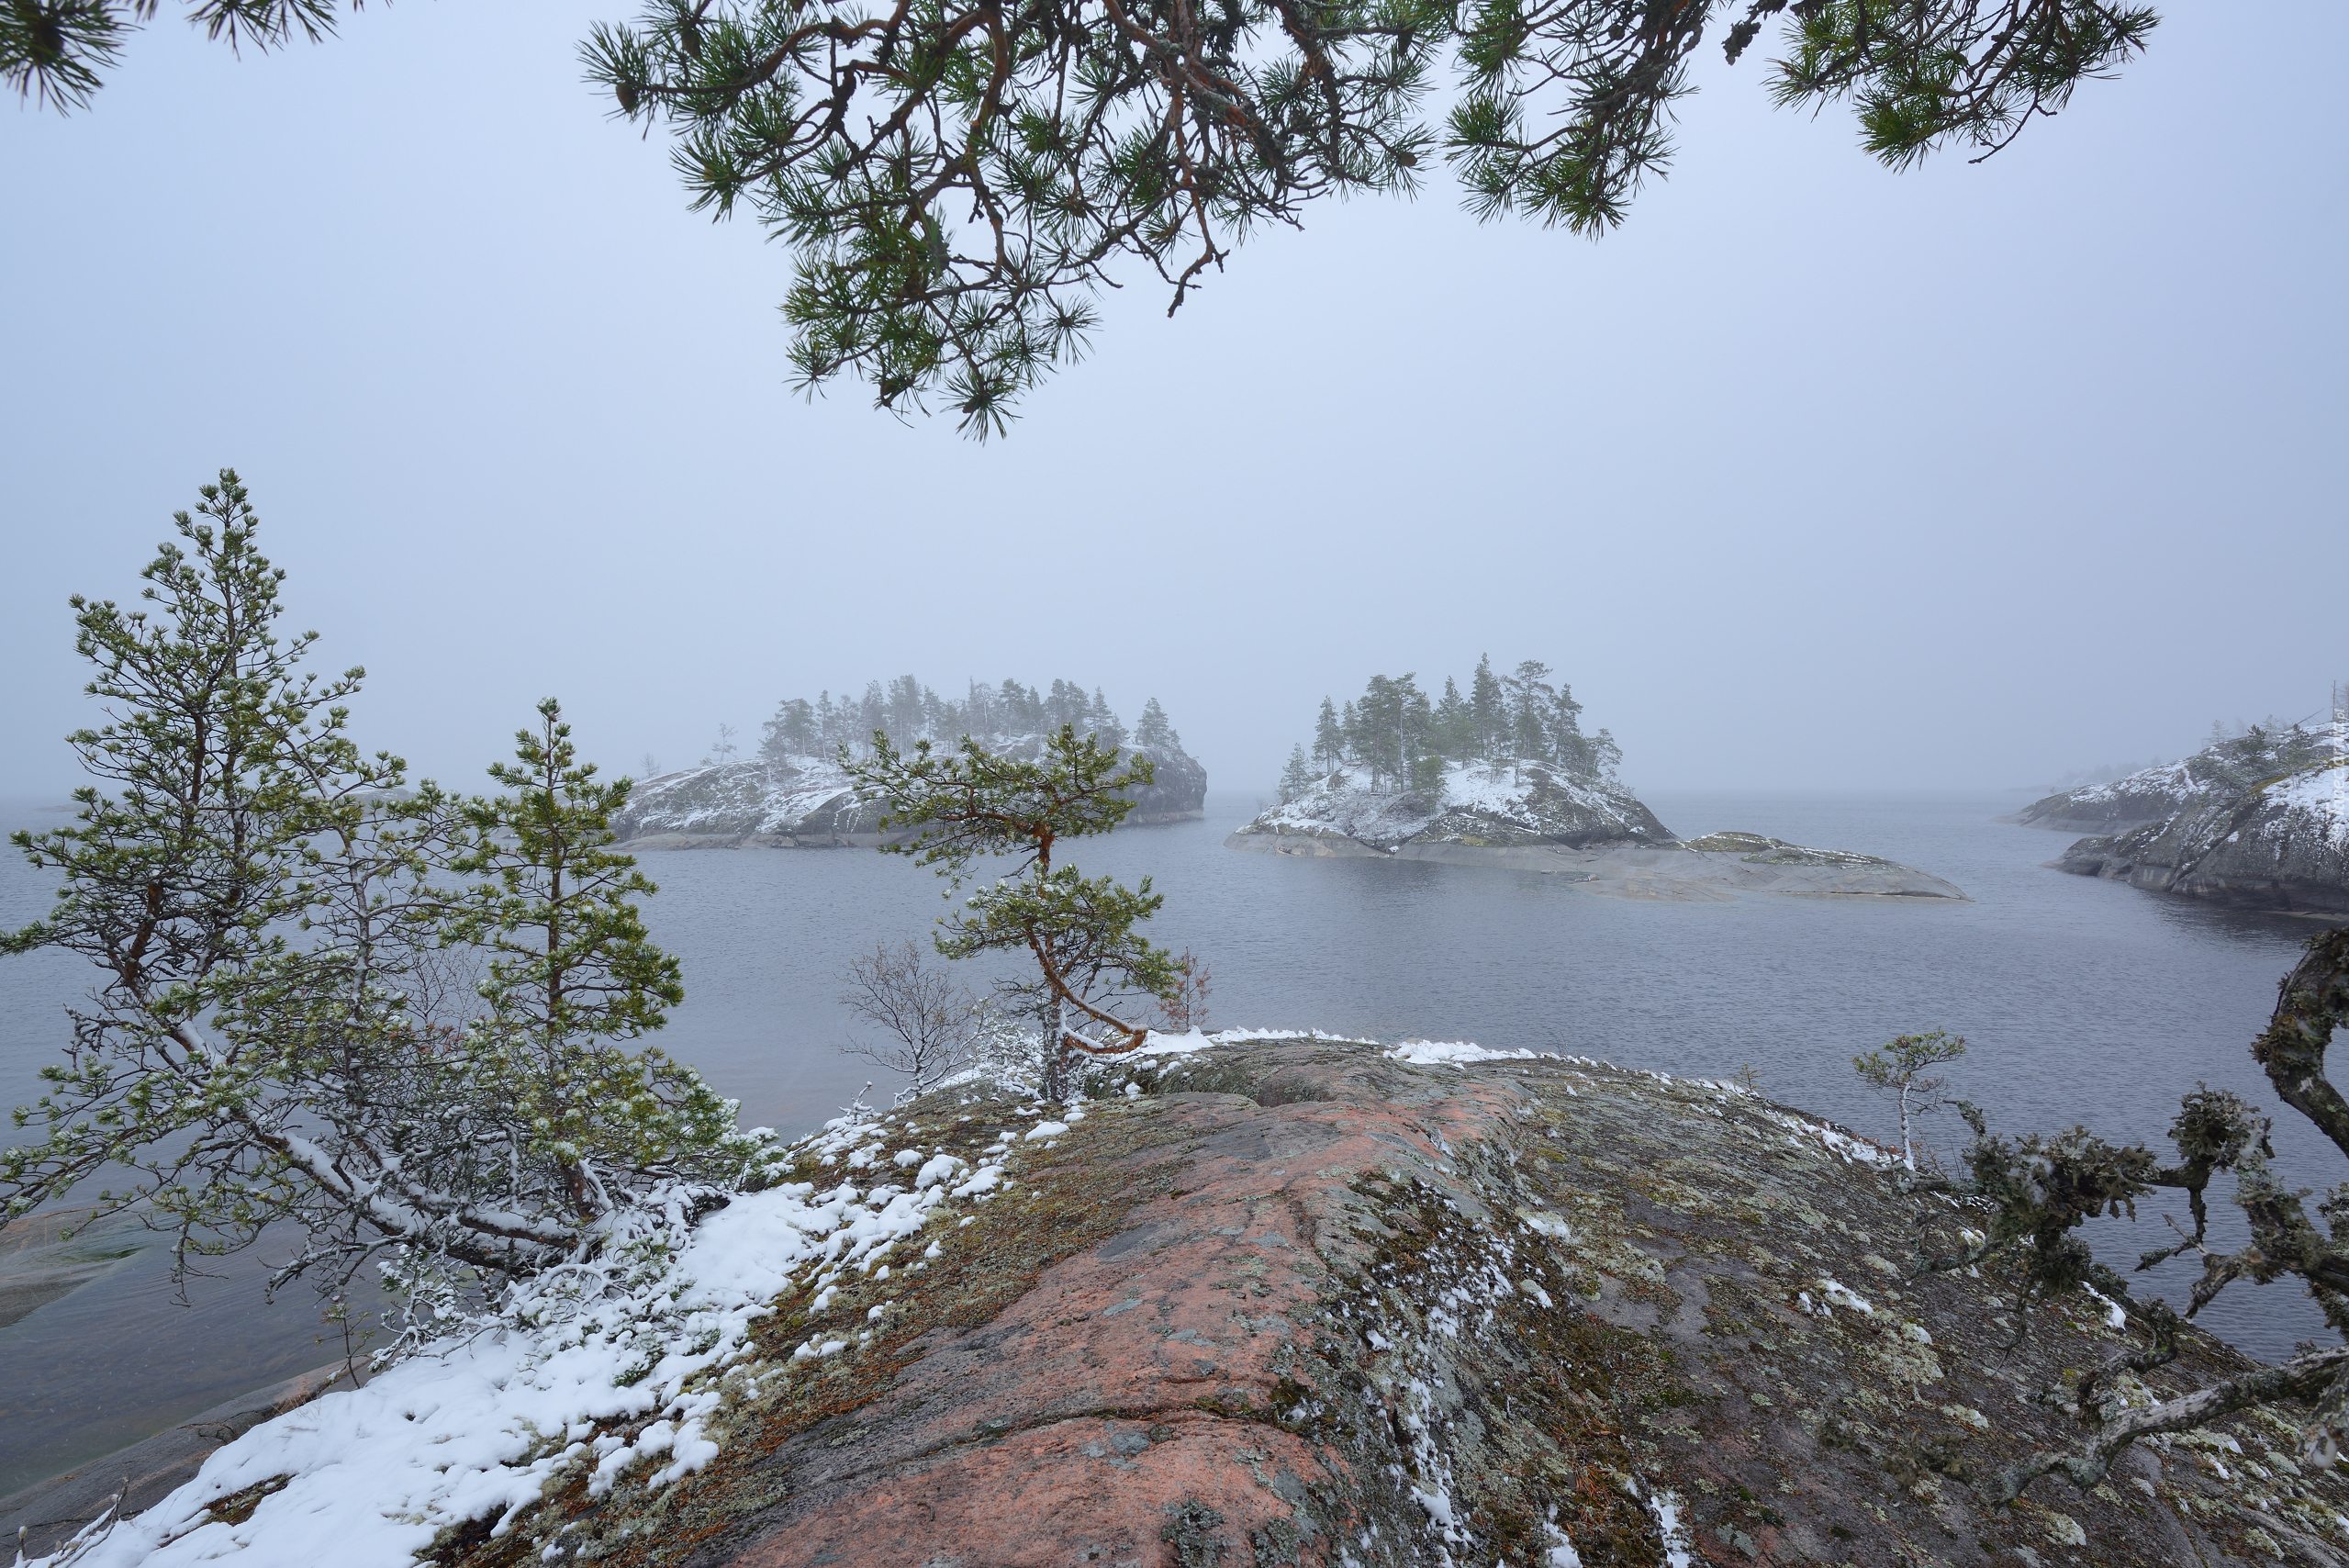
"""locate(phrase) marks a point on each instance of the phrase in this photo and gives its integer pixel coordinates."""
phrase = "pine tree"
(1106, 726)
(1329, 737)
(1297, 777)
(1455, 725)
(1488, 705)
(344, 1082)
(904, 274)
(570, 968)
(792, 732)
(968, 804)
(1154, 732)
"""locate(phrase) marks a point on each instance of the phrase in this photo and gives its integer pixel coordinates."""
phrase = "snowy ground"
(474, 1428)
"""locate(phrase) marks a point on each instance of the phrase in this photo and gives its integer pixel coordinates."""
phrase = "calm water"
(2083, 1002)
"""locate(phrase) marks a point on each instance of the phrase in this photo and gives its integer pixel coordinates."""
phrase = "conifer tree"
(1297, 777)
(1062, 144)
(1329, 737)
(968, 803)
(346, 1082)
(1488, 704)
(1153, 732)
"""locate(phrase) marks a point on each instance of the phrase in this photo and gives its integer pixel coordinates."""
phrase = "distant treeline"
(906, 711)
(1405, 737)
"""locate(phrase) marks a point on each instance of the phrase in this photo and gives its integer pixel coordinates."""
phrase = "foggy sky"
(1813, 476)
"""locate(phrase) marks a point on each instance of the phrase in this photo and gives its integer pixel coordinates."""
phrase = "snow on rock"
(474, 1427)
(1452, 1053)
(2261, 821)
(809, 801)
(1586, 829)
(1477, 804)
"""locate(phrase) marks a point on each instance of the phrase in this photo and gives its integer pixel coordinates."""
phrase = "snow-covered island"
(1501, 773)
(1589, 829)
(794, 794)
(806, 803)
(2256, 821)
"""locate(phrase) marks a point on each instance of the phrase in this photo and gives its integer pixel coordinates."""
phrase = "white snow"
(1531, 798)
(2114, 1317)
(475, 1425)
(1841, 1294)
(1453, 1053)
(1665, 1506)
(2321, 795)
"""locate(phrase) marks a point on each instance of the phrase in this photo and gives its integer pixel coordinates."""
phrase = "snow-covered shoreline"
(809, 802)
(1591, 832)
(477, 1425)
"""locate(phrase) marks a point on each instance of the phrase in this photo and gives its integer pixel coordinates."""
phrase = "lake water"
(2082, 1001)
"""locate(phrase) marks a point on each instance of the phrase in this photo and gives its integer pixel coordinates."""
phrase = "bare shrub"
(931, 1021)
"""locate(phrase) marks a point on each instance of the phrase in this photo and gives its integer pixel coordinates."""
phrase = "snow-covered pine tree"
(1154, 732)
(348, 1082)
(1296, 778)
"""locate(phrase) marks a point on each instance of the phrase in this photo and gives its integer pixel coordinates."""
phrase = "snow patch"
(476, 1426)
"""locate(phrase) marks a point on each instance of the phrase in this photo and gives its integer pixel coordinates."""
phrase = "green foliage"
(1296, 775)
(386, 1015)
(51, 50)
(959, 180)
(1405, 740)
(1903, 1069)
(968, 803)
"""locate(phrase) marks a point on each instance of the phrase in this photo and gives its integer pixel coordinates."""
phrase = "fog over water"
(1812, 477)
(2083, 1001)
(1850, 502)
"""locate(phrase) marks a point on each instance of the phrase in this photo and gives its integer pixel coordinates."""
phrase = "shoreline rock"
(806, 803)
(1716, 870)
(1301, 1302)
(1586, 829)
(2259, 823)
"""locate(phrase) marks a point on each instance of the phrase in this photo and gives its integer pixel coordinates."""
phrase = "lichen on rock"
(1299, 1300)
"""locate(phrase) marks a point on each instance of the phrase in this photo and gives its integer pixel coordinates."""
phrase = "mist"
(1814, 478)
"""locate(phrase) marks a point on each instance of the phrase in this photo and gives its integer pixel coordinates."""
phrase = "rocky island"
(1504, 776)
(794, 794)
(2255, 820)
(1288, 1300)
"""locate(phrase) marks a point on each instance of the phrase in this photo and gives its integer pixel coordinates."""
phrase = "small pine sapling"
(1186, 1008)
(1903, 1069)
(968, 803)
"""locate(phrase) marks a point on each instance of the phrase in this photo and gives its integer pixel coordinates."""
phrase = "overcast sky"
(1813, 476)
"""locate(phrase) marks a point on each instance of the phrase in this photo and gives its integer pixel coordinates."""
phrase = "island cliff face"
(2261, 821)
(1297, 1301)
(1588, 830)
(808, 802)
